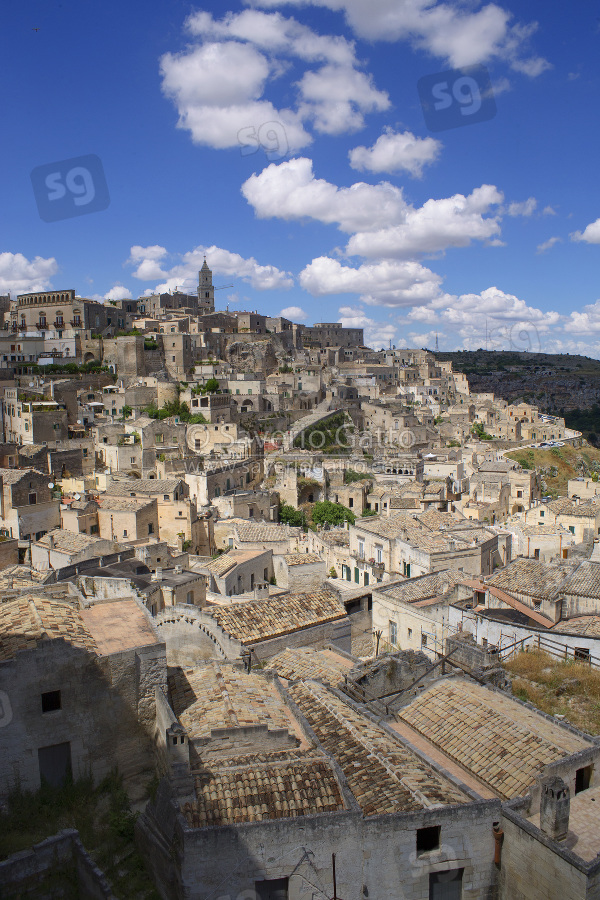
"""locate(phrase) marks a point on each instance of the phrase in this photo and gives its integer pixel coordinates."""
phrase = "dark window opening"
(55, 763)
(582, 653)
(50, 701)
(273, 889)
(428, 838)
(583, 778)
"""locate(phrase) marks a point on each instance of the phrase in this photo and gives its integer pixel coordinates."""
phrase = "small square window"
(428, 839)
(51, 701)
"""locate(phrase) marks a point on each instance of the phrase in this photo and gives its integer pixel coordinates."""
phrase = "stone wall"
(39, 871)
(106, 710)
(376, 857)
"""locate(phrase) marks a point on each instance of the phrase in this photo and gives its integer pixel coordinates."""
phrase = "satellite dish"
(51, 485)
(31, 384)
(77, 496)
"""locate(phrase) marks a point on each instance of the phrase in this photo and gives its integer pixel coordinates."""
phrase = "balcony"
(76, 323)
(41, 324)
(59, 323)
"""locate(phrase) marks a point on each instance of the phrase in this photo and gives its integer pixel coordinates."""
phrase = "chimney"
(178, 570)
(555, 802)
(51, 540)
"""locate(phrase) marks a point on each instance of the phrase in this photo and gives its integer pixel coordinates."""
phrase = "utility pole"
(378, 633)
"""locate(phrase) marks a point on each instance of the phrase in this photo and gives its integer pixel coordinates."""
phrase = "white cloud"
(138, 253)
(274, 33)
(548, 211)
(217, 88)
(291, 191)
(385, 283)
(590, 235)
(294, 313)
(457, 32)
(376, 334)
(19, 275)
(219, 85)
(396, 152)
(526, 208)
(438, 224)
(117, 292)
(547, 245)
(585, 322)
(184, 274)
(335, 98)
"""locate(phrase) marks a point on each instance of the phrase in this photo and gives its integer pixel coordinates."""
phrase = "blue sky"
(349, 208)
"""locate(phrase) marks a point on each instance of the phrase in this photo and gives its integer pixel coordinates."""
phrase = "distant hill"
(559, 384)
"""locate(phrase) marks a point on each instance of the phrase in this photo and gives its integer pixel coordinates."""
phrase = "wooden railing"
(553, 648)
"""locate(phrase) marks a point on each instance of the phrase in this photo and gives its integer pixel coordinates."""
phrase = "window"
(379, 554)
(124, 532)
(582, 653)
(393, 633)
(423, 640)
(361, 548)
(273, 889)
(190, 597)
(519, 493)
(572, 529)
(165, 496)
(410, 632)
(428, 839)
(32, 498)
(536, 553)
(55, 763)
(266, 575)
(150, 528)
(51, 701)
(356, 576)
(350, 502)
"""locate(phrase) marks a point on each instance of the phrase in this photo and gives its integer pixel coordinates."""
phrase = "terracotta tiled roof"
(264, 533)
(584, 625)
(384, 775)
(259, 620)
(531, 577)
(29, 620)
(295, 664)
(504, 744)
(278, 785)
(585, 581)
(414, 589)
(215, 696)
(302, 559)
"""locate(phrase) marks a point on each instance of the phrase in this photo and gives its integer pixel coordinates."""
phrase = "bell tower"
(206, 291)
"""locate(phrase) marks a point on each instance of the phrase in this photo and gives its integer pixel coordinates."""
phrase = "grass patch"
(101, 814)
(558, 464)
(570, 689)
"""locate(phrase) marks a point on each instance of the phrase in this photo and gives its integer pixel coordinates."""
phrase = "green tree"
(291, 516)
(211, 386)
(325, 512)
(126, 411)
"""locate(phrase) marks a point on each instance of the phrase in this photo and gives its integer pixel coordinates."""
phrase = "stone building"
(27, 508)
(300, 572)
(72, 679)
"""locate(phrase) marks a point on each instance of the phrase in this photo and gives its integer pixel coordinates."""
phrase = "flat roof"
(116, 626)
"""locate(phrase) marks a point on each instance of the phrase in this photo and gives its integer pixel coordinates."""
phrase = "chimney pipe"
(555, 803)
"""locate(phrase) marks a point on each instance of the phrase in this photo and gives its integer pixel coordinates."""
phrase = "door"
(446, 885)
(55, 763)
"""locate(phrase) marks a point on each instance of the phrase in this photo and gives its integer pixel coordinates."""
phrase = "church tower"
(206, 291)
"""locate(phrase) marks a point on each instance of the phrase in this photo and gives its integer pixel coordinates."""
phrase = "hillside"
(558, 464)
(559, 384)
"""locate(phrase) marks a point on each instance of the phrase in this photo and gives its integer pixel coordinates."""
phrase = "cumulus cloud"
(450, 222)
(396, 152)
(526, 208)
(294, 313)
(385, 283)
(590, 235)
(219, 85)
(463, 35)
(19, 275)
(376, 334)
(117, 292)
(184, 273)
(547, 245)
(335, 98)
(585, 322)
(291, 191)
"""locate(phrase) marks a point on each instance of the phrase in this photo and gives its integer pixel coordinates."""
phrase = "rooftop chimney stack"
(555, 803)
